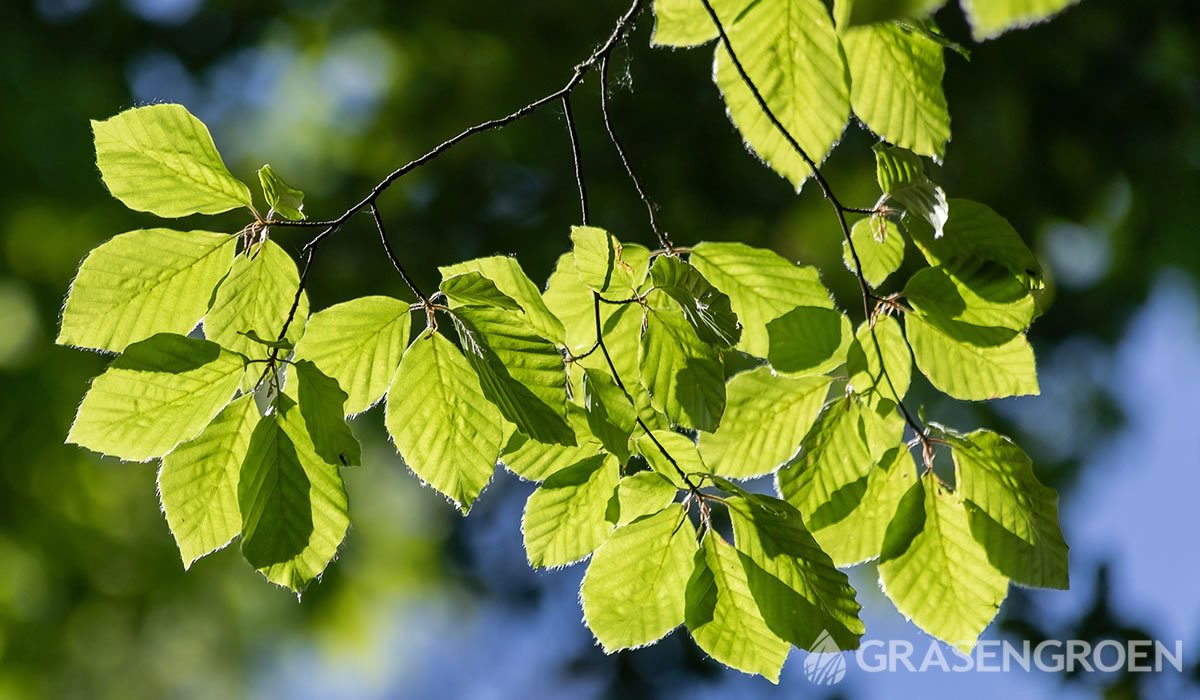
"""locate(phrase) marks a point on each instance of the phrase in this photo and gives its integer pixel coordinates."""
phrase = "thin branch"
(387, 247)
(663, 239)
(577, 157)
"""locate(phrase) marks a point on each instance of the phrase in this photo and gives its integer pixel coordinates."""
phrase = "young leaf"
(639, 495)
(141, 283)
(537, 461)
(161, 159)
(1012, 514)
(445, 429)
(880, 248)
(256, 296)
(799, 592)
(896, 86)
(293, 502)
(901, 176)
(933, 569)
(766, 417)
(862, 362)
(610, 416)
(871, 11)
(198, 482)
(809, 340)
(564, 518)
(970, 371)
(723, 616)
(633, 591)
(991, 18)
(682, 373)
(519, 371)
(322, 406)
(683, 455)
(358, 343)
(974, 292)
(761, 285)
(281, 197)
(473, 289)
(686, 23)
(791, 52)
(161, 392)
(851, 525)
(599, 261)
(976, 231)
(704, 306)
(511, 280)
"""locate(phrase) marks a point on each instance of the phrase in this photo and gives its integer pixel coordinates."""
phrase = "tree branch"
(577, 157)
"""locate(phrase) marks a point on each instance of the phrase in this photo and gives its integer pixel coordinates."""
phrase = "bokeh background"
(1084, 132)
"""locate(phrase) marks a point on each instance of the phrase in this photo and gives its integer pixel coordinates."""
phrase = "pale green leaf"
(359, 344)
(791, 52)
(537, 461)
(686, 22)
(564, 518)
(293, 502)
(867, 380)
(974, 230)
(282, 198)
(600, 262)
(1012, 514)
(445, 429)
(610, 416)
(141, 283)
(198, 482)
(680, 455)
(809, 340)
(870, 11)
(766, 417)
(161, 392)
(322, 406)
(723, 616)
(639, 495)
(682, 373)
(798, 590)
(161, 159)
(473, 289)
(970, 371)
(901, 176)
(633, 591)
(511, 280)
(974, 292)
(880, 248)
(935, 572)
(705, 307)
(521, 372)
(991, 18)
(761, 285)
(256, 296)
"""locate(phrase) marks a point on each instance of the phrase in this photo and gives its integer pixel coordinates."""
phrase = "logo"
(825, 663)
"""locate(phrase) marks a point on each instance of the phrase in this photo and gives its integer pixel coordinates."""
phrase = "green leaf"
(809, 340)
(761, 285)
(935, 572)
(537, 461)
(1012, 514)
(141, 283)
(896, 86)
(564, 518)
(901, 176)
(991, 18)
(161, 159)
(282, 198)
(447, 431)
(880, 248)
(974, 230)
(322, 406)
(639, 495)
(766, 417)
(473, 289)
(599, 261)
(682, 373)
(269, 344)
(970, 371)
(293, 502)
(686, 23)
(161, 392)
(847, 440)
(519, 371)
(799, 592)
(511, 280)
(256, 296)
(683, 455)
(723, 616)
(791, 52)
(633, 591)
(871, 11)
(198, 482)
(610, 416)
(862, 362)
(358, 343)
(975, 293)
(704, 306)
(851, 525)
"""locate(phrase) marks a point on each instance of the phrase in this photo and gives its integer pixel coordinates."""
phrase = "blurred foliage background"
(1084, 132)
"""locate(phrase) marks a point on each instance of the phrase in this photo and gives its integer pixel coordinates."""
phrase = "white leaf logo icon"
(825, 664)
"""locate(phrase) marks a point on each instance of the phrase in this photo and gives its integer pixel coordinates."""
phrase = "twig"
(577, 157)
(387, 247)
